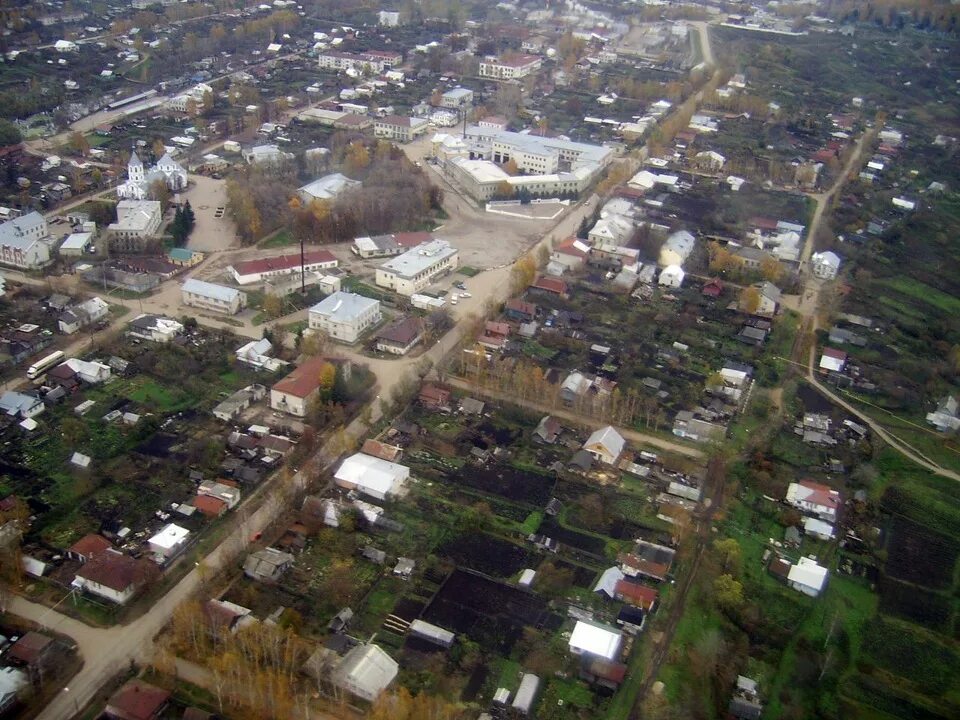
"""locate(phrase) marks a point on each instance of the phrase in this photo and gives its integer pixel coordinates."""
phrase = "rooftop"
(210, 290)
(303, 380)
(420, 258)
(283, 262)
(343, 306)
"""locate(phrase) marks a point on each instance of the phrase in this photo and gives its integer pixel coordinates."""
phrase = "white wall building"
(23, 242)
(137, 219)
(167, 543)
(213, 297)
(509, 69)
(457, 98)
(676, 249)
(400, 128)
(365, 671)
(328, 187)
(380, 479)
(590, 638)
(415, 269)
(807, 577)
(345, 316)
(825, 265)
(140, 180)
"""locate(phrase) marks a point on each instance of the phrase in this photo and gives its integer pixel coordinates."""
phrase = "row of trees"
(182, 225)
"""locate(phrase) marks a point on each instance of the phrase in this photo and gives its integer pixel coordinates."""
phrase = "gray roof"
(210, 290)
(16, 232)
(418, 259)
(329, 186)
(343, 306)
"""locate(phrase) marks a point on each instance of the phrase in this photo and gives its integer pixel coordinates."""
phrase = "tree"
(79, 144)
(522, 274)
(771, 269)
(9, 134)
(328, 377)
(749, 300)
(552, 580)
(313, 343)
(730, 555)
(160, 191)
(357, 158)
(272, 305)
(728, 593)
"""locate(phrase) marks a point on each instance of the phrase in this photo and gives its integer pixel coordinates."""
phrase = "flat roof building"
(345, 316)
(415, 269)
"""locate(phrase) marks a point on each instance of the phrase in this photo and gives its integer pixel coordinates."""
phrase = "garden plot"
(491, 613)
(511, 483)
(487, 554)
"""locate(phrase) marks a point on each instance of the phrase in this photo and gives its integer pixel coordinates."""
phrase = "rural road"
(579, 420)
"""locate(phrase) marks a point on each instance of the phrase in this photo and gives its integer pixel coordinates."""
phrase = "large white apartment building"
(510, 68)
(415, 269)
(374, 60)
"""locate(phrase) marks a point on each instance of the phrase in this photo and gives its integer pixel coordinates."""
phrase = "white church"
(139, 180)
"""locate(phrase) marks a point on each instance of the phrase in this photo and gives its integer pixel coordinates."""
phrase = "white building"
(946, 417)
(513, 68)
(82, 314)
(825, 265)
(213, 297)
(457, 98)
(266, 154)
(590, 638)
(676, 249)
(345, 316)
(294, 393)
(155, 328)
(329, 187)
(254, 271)
(605, 444)
(195, 96)
(140, 180)
(167, 543)
(378, 61)
(814, 498)
(136, 219)
(389, 18)
(365, 672)
(20, 405)
(24, 242)
(818, 529)
(257, 353)
(111, 575)
(400, 128)
(807, 577)
(671, 276)
(415, 269)
(89, 371)
(76, 244)
(371, 476)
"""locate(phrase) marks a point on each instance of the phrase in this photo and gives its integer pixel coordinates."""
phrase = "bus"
(41, 366)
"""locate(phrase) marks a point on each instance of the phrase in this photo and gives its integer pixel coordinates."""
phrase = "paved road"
(705, 47)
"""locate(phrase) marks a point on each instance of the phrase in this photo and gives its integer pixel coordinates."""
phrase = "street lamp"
(76, 701)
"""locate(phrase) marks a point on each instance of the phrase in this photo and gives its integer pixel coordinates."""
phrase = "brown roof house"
(434, 397)
(294, 392)
(31, 650)
(137, 700)
(114, 576)
(400, 336)
(88, 547)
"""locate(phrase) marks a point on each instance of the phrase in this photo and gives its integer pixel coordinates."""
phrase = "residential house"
(168, 543)
(231, 407)
(90, 372)
(372, 476)
(267, 565)
(88, 547)
(671, 276)
(434, 397)
(815, 499)
(113, 576)
(137, 700)
(636, 594)
(606, 445)
(14, 684)
(155, 328)
(547, 430)
(676, 249)
(457, 98)
(832, 360)
(807, 576)
(20, 405)
(818, 529)
(400, 128)
(257, 353)
(345, 316)
(365, 672)
(825, 265)
(229, 494)
(768, 300)
(946, 418)
(607, 584)
(34, 651)
(213, 297)
(526, 695)
(595, 639)
(24, 242)
(550, 286)
(327, 188)
(83, 314)
(265, 154)
(254, 271)
(520, 310)
(293, 393)
(400, 336)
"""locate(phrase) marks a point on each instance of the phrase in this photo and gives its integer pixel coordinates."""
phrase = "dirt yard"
(208, 198)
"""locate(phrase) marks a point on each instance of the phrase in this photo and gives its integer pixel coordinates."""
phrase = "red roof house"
(712, 288)
(137, 700)
(88, 547)
(432, 396)
(636, 594)
(210, 506)
(550, 285)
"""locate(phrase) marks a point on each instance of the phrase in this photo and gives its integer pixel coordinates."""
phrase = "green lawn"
(281, 238)
(924, 294)
(468, 271)
(152, 394)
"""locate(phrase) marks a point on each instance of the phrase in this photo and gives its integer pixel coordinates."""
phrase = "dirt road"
(579, 420)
